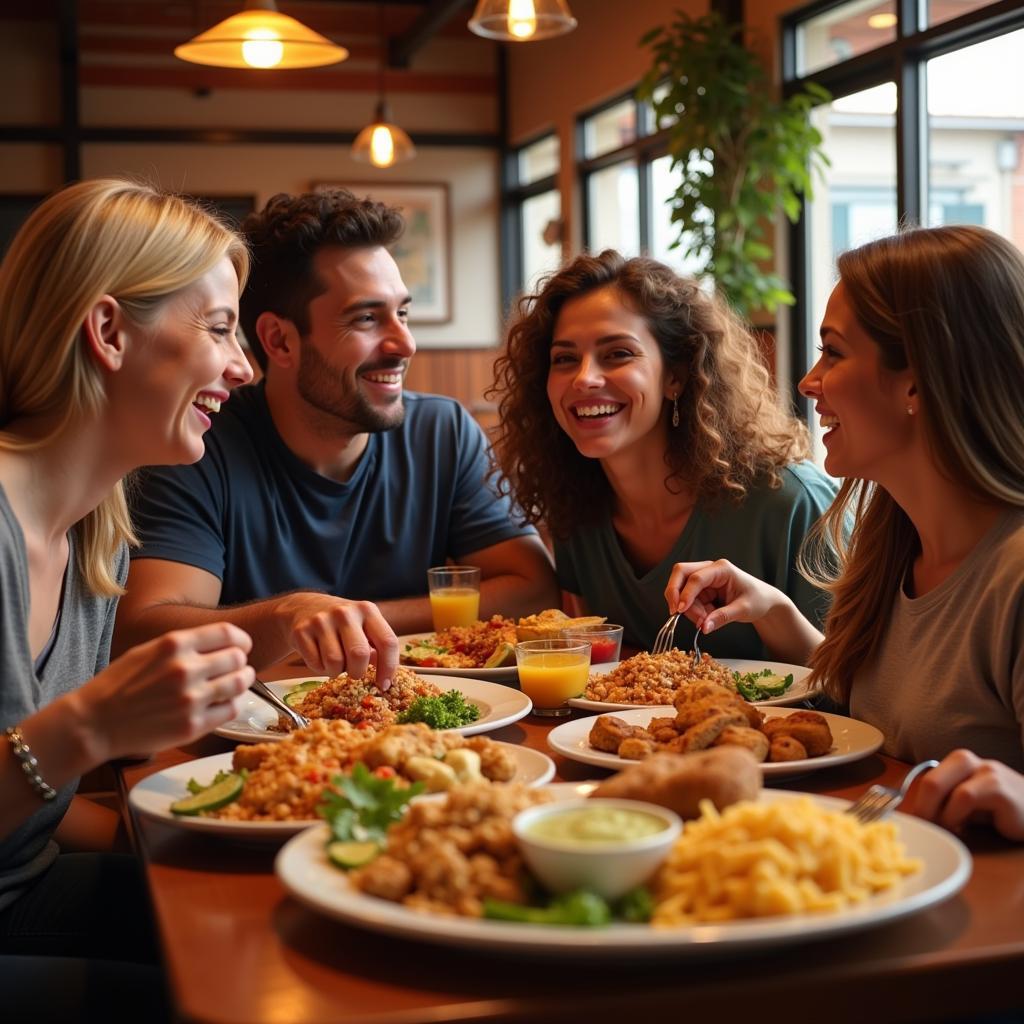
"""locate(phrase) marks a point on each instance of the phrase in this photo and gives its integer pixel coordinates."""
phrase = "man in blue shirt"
(326, 487)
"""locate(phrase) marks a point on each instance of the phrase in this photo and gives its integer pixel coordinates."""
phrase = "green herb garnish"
(447, 711)
(580, 908)
(761, 685)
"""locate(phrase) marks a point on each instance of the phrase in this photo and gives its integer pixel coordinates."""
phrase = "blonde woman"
(920, 387)
(638, 423)
(118, 307)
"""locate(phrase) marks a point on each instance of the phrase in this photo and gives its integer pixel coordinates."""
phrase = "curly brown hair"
(286, 235)
(732, 430)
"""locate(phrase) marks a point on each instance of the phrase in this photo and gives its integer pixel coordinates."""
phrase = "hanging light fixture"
(382, 143)
(521, 21)
(261, 37)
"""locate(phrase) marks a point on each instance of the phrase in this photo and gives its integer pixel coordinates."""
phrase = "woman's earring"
(675, 411)
(910, 410)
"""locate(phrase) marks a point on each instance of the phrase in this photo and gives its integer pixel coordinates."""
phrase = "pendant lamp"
(261, 37)
(521, 21)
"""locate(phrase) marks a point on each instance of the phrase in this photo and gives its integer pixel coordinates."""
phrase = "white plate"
(154, 795)
(508, 673)
(305, 872)
(796, 694)
(499, 706)
(851, 740)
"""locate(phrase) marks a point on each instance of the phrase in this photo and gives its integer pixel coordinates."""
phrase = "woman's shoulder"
(799, 485)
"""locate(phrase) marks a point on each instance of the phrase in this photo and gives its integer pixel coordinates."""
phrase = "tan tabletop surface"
(239, 950)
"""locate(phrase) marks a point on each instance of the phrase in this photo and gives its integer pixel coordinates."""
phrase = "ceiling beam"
(436, 14)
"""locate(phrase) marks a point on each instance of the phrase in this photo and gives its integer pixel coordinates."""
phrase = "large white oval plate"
(852, 740)
(154, 795)
(796, 694)
(306, 873)
(499, 706)
(508, 673)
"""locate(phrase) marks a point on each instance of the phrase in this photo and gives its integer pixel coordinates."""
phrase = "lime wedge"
(351, 854)
(220, 794)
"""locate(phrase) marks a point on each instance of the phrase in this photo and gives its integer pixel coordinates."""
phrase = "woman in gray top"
(118, 307)
(920, 387)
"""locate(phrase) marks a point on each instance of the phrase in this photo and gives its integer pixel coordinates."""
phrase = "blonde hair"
(948, 303)
(94, 238)
(732, 431)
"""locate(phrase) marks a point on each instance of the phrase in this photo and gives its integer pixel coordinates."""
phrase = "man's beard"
(320, 386)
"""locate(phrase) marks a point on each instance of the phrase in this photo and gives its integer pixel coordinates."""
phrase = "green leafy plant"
(742, 154)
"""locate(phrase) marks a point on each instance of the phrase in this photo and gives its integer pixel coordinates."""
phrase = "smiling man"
(326, 486)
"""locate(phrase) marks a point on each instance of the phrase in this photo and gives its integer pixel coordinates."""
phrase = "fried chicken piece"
(400, 742)
(723, 775)
(496, 763)
(695, 712)
(809, 727)
(637, 748)
(703, 734)
(387, 878)
(250, 755)
(785, 748)
(608, 733)
(700, 691)
(741, 736)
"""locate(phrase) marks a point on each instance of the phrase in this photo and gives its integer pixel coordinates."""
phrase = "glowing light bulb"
(382, 147)
(262, 48)
(522, 19)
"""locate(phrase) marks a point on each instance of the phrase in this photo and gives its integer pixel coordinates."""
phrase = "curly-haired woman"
(639, 424)
(920, 387)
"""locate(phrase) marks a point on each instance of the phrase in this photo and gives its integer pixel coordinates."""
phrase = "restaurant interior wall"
(129, 81)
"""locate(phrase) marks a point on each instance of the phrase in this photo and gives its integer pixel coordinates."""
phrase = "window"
(926, 126)
(533, 215)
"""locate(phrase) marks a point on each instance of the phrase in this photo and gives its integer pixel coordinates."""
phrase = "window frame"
(902, 60)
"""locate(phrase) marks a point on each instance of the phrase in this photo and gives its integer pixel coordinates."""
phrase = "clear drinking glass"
(552, 671)
(605, 641)
(454, 595)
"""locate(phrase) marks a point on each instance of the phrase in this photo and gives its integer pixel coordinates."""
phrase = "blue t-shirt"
(762, 536)
(263, 522)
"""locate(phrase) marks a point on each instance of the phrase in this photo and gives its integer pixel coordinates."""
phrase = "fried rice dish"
(462, 646)
(359, 702)
(656, 678)
(286, 780)
(447, 857)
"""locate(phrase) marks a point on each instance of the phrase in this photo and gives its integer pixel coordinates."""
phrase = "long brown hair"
(732, 429)
(948, 303)
(95, 238)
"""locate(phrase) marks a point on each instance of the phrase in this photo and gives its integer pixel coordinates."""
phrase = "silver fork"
(696, 649)
(263, 691)
(663, 641)
(878, 801)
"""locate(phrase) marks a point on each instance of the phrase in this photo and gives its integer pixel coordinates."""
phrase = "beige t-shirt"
(950, 669)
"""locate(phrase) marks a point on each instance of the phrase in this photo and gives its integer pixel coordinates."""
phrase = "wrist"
(87, 742)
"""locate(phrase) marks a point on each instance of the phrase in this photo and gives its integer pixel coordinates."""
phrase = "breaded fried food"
(550, 623)
(724, 775)
(636, 748)
(704, 733)
(743, 736)
(785, 748)
(808, 727)
(608, 732)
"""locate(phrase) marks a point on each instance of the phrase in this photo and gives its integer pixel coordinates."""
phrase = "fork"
(263, 691)
(878, 801)
(664, 640)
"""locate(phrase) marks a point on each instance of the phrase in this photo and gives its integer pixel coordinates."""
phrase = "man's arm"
(331, 634)
(516, 579)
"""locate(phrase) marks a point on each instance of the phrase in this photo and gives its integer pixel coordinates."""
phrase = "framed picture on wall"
(423, 253)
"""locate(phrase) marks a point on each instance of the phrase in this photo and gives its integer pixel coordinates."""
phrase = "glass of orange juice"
(454, 595)
(552, 671)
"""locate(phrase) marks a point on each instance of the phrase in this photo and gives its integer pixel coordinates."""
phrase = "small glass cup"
(552, 671)
(454, 595)
(605, 641)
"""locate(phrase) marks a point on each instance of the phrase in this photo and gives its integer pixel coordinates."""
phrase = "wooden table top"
(239, 949)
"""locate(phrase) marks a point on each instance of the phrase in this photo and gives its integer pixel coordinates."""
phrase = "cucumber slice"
(504, 654)
(775, 686)
(220, 794)
(351, 853)
(297, 693)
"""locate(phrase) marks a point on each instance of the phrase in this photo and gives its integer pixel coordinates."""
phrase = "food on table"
(599, 823)
(359, 701)
(285, 781)
(548, 624)
(680, 782)
(475, 646)
(709, 715)
(450, 856)
(445, 711)
(654, 678)
(786, 857)
(761, 685)
(225, 788)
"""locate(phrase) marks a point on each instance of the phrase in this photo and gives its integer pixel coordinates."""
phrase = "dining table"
(239, 950)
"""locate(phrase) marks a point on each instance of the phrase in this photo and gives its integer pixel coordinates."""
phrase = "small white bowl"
(610, 868)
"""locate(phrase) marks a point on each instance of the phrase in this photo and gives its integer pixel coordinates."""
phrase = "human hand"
(168, 691)
(965, 789)
(335, 635)
(711, 594)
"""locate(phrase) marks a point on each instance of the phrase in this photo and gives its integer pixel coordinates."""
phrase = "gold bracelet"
(29, 764)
